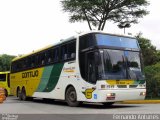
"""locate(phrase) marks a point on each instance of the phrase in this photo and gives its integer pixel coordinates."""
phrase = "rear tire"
(19, 95)
(71, 97)
(23, 94)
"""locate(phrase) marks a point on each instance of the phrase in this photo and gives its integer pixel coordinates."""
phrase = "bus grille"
(122, 86)
(133, 86)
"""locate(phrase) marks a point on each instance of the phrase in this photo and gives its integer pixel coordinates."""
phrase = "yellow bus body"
(5, 82)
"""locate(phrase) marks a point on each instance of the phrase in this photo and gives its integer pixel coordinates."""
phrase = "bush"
(152, 74)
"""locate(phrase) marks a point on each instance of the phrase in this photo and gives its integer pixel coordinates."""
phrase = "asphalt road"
(38, 106)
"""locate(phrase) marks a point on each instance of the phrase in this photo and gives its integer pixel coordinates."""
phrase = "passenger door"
(91, 69)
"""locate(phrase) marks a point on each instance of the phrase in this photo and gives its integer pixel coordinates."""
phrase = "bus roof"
(113, 34)
(65, 40)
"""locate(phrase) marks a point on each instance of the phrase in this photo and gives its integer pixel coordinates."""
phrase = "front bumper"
(120, 95)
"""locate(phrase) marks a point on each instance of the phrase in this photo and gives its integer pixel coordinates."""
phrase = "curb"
(141, 102)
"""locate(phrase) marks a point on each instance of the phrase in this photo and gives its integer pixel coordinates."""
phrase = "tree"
(149, 52)
(97, 12)
(5, 61)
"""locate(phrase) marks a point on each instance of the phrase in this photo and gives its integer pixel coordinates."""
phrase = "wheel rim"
(23, 94)
(19, 94)
(72, 96)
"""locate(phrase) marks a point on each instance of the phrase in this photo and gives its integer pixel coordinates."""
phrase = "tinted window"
(114, 65)
(89, 64)
(2, 77)
(72, 50)
(50, 56)
(134, 65)
(56, 54)
(91, 71)
(90, 40)
(68, 51)
(87, 41)
(116, 41)
(64, 52)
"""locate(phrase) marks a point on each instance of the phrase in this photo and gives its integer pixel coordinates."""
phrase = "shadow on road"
(84, 105)
(64, 104)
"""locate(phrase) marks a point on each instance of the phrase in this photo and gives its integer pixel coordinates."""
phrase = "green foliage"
(97, 12)
(5, 61)
(150, 54)
(152, 74)
(151, 59)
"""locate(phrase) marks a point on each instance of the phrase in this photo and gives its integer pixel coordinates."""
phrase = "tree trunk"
(103, 25)
(100, 24)
(87, 20)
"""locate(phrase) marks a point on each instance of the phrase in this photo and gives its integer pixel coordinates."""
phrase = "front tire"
(71, 97)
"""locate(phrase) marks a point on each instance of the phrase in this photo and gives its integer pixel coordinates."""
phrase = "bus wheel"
(19, 95)
(6, 93)
(71, 97)
(23, 94)
(107, 104)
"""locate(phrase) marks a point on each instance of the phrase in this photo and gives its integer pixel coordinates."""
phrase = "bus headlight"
(111, 96)
(142, 85)
(142, 93)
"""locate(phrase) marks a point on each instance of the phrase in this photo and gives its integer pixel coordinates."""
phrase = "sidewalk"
(141, 102)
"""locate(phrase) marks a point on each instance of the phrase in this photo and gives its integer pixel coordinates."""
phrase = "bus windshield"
(118, 64)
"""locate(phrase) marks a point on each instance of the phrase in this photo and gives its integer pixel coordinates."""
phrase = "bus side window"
(72, 50)
(64, 52)
(73, 55)
(28, 64)
(49, 56)
(42, 60)
(56, 54)
(2, 77)
(33, 61)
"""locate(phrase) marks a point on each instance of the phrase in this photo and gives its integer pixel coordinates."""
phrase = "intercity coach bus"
(5, 82)
(91, 67)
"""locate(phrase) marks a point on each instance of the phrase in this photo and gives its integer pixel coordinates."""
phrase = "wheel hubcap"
(72, 96)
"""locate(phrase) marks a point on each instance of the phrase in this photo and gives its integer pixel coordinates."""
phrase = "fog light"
(111, 96)
(142, 93)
